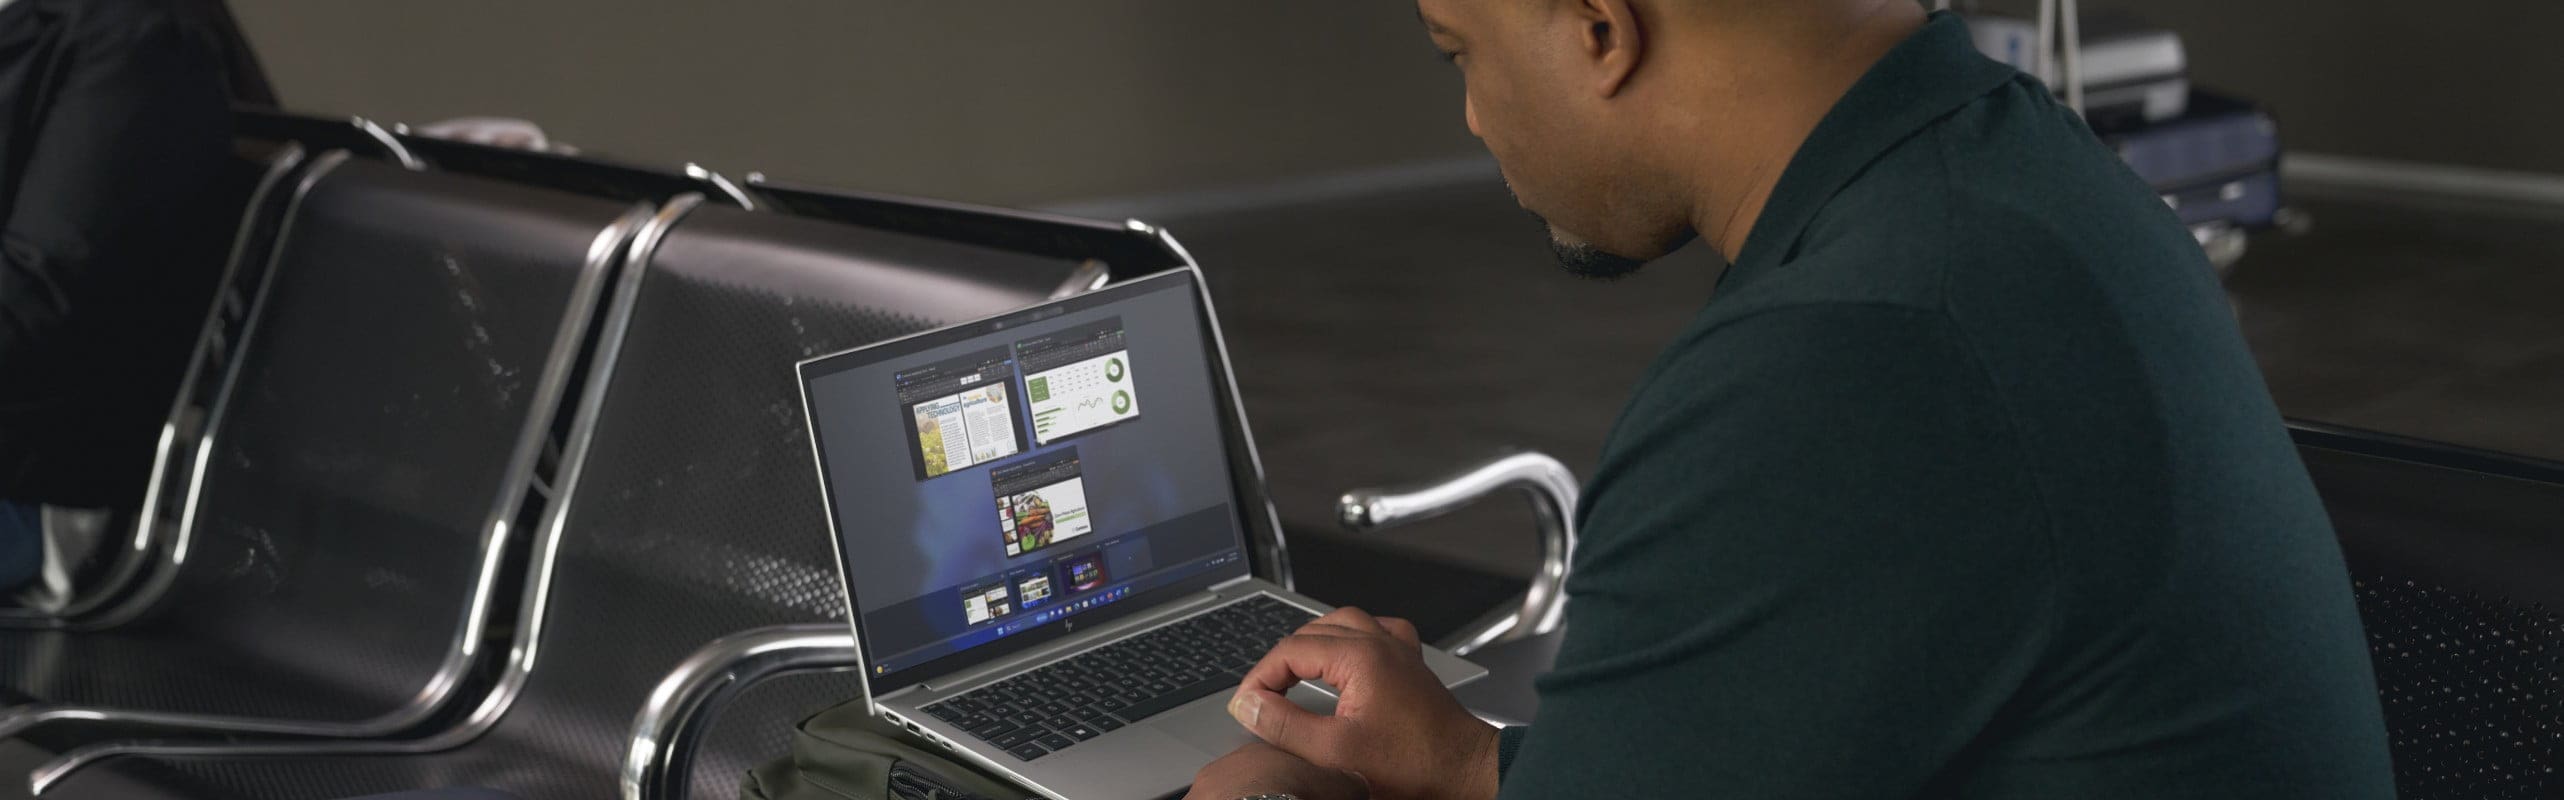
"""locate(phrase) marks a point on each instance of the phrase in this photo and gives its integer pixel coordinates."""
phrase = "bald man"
(1962, 485)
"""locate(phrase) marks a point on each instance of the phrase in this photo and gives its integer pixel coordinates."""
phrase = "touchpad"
(1206, 725)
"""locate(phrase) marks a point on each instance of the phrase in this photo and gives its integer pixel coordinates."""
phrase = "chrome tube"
(635, 237)
(471, 635)
(1552, 490)
(184, 428)
(671, 725)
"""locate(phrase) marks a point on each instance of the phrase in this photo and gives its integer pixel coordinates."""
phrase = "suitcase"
(2131, 74)
(2217, 163)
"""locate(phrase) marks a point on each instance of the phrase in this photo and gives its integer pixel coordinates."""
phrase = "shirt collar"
(1929, 75)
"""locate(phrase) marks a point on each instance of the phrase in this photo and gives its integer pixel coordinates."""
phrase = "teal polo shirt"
(1963, 485)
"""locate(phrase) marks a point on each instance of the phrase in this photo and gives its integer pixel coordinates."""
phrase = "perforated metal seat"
(2458, 562)
(257, 183)
(693, 507)
(355, 135)
(579, 174)
(368, 451)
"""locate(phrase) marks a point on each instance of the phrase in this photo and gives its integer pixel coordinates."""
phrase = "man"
(1963, 485)
(112, 128)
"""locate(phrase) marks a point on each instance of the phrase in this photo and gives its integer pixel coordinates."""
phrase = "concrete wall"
(1012, 102)
(1029, 102)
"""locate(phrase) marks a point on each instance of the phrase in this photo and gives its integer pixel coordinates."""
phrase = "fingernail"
(1245, 709)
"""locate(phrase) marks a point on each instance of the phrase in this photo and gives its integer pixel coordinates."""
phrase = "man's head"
(1631, 126)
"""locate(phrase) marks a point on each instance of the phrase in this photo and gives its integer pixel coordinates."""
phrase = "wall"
(2472, 83)
(1033, 102)
(999, 102)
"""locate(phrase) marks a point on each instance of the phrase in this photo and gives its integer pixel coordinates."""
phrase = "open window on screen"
(961, 412)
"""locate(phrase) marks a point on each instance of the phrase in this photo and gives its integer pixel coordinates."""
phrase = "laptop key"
(1105, 723)
(993, 730)
(1055, 741)
(1082, 731)
(1017, 737)
(1027, 751)
(1061, 723)
(946, 712)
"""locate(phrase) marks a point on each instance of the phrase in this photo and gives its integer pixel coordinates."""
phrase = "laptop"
(1045, 521)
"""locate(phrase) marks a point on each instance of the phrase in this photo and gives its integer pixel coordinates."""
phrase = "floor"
(1395, 337)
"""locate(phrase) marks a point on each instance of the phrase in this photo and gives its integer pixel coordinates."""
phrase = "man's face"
(1531, 97)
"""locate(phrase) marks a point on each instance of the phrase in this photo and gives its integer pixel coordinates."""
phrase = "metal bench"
(577, 174)
(2457, 558)
(259, 181)
(687, 506)
(364, 474)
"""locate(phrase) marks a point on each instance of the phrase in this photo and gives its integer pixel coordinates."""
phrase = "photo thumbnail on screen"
(986, 601)
(1041, 501)
(960, 412)
(1033, 587)
(1077, 380)
(1085, 572)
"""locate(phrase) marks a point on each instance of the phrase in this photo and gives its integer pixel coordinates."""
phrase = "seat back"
(690, 505)
(356, 135)
(579, 174)
(2458, 562)
(1125, 249)
(254, 188)
(369, 450)
(695, 510)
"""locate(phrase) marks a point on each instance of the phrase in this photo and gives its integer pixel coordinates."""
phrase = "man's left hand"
(1260, 768)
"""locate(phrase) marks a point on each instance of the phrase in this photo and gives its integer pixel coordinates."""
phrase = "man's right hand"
(1394, 723)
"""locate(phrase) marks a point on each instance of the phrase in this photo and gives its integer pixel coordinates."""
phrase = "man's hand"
(1394, 723)
(1258, 768)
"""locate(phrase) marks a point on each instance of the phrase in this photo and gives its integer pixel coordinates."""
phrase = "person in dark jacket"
(1961, 485)
(114, 124)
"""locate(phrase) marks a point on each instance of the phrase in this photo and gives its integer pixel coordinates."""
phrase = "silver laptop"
(1045, 522)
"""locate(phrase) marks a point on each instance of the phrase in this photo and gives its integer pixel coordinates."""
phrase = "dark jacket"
(113, 129)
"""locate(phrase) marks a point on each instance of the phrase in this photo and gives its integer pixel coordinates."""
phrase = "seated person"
(113, 126)
(1963, 484)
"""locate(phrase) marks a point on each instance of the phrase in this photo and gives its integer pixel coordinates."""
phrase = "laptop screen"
(999, 483)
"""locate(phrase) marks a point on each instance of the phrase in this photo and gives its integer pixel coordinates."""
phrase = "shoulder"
(1826, 379)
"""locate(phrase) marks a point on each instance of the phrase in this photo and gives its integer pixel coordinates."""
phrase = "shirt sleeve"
(131, 135)
(1508, 744)
(1812, 566)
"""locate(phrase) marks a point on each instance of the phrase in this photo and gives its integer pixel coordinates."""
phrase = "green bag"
(845, 753)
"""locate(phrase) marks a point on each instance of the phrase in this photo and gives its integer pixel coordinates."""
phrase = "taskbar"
(1158, 579)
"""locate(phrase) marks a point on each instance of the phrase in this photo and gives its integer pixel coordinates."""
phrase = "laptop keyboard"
(1053, 708)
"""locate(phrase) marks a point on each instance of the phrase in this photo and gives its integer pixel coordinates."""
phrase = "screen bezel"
(1249, 502)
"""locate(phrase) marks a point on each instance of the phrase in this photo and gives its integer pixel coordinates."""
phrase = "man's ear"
(1611, 39)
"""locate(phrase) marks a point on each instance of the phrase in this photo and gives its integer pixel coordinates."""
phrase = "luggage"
(2217, 163)
(2131, 74)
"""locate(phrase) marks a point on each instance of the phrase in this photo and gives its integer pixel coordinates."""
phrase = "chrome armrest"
(659, 763)
(1552, 490)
